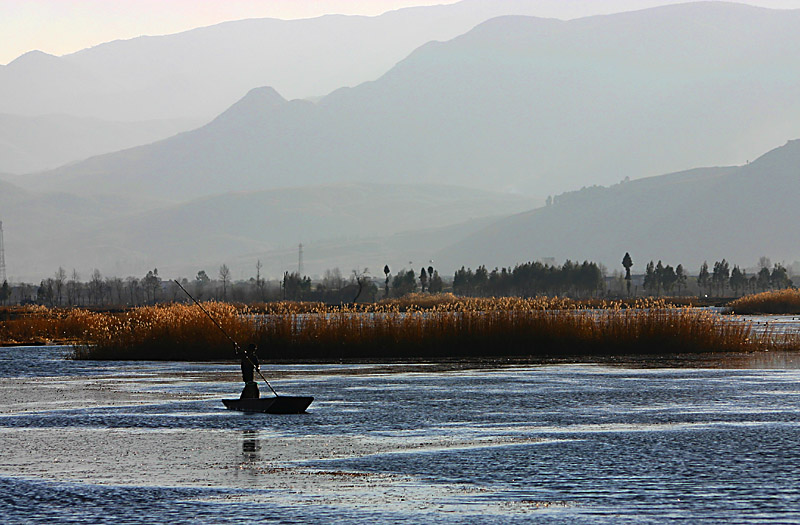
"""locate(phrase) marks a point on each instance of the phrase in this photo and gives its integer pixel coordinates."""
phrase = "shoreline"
(720, 360)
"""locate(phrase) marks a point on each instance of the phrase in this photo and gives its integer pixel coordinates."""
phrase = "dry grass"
(33, 325)
(785, 301)
(168, 332)
(444, 327)
(464, 328)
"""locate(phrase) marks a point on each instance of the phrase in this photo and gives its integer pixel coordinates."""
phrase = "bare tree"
(224, 276)
(74, 288)
(134, 289)
(332, 280)
(259, 281)
(96, 287)
(115, 287)
(58, 284)
(361, 279)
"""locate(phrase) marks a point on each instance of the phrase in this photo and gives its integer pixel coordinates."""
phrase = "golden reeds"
(443, 327)
(785, 301)
(41, 325)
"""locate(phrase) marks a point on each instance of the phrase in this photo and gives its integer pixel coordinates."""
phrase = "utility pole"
(2, 256)
(300, 260)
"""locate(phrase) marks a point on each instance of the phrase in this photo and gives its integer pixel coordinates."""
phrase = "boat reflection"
(251, 446)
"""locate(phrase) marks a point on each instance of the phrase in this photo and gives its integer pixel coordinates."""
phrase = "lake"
(710, 439)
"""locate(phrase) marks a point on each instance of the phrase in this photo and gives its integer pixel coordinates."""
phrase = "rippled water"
(550, 444)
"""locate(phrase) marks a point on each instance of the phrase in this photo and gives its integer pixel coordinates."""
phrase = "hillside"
(198, 73)
(518, 104)
(352, 225)
(29, 144)
(737, 213)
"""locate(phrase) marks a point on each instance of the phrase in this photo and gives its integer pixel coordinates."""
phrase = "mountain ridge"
(707, 214)
(199, 72)
(121, 237)
(542, 107)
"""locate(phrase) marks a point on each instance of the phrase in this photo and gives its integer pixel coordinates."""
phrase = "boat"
(271, 405)
(266, 405)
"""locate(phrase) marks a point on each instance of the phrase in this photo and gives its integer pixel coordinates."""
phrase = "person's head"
(252, 348)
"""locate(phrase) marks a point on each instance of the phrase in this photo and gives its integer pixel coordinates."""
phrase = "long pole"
(235, 344)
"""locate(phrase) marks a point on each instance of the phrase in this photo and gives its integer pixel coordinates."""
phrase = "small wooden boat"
(267, 405)
(271, 405)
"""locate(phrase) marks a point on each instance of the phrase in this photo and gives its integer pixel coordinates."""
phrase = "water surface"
(99, 442)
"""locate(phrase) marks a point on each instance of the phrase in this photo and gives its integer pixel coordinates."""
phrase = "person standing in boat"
(249, 366)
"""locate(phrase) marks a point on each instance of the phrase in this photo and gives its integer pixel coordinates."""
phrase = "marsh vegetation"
(415, 327)
(785, 301)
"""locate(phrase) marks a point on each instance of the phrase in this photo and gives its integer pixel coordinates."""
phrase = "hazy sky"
(63, 26)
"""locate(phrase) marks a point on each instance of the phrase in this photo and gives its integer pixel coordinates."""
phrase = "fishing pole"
(235, 344)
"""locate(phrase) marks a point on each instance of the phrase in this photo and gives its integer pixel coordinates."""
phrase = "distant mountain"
(30, 144)
(41, 227)
(737, 213)
(351, 224)
(199, 73)
(518, 103)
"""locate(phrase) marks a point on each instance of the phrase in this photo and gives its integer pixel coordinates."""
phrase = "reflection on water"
(566, 443)
(250, 445)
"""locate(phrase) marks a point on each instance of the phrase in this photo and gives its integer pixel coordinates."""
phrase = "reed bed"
(416, 327)
(785, 301)
(39, 325)
(418, 302)
(173, 332)
(487, 329)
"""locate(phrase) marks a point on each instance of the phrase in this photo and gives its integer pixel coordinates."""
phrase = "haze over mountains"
(133, 92)
(419, 163)
(736, 213)
(199, 73)
(340, 224)
(35, 143)
(518, 103)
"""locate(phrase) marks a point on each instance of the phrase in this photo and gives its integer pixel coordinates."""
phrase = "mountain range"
(198, 73)
(706, 214)
(735, 213)
(121, 94)
(360, 224)
(517, 104)
(448, 155)
(30, 144)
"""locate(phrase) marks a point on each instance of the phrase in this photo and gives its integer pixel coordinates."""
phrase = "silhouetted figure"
(249, 365)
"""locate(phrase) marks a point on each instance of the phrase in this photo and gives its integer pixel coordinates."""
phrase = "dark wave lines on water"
(708, 475)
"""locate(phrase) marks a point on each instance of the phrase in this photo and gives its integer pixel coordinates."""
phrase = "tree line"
(574, 279)
(716, 280)
(530, 279)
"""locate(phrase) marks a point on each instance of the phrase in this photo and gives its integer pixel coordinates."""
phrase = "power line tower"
(2, 256)
(300, 260)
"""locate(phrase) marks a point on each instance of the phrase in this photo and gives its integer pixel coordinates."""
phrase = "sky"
(60, 27)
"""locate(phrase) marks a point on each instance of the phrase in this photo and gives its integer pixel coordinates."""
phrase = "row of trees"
(405, 282)
(61, 290)
(716, 280)
(530, 279)
(722, 277)
(658, 278)
(533, 278)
